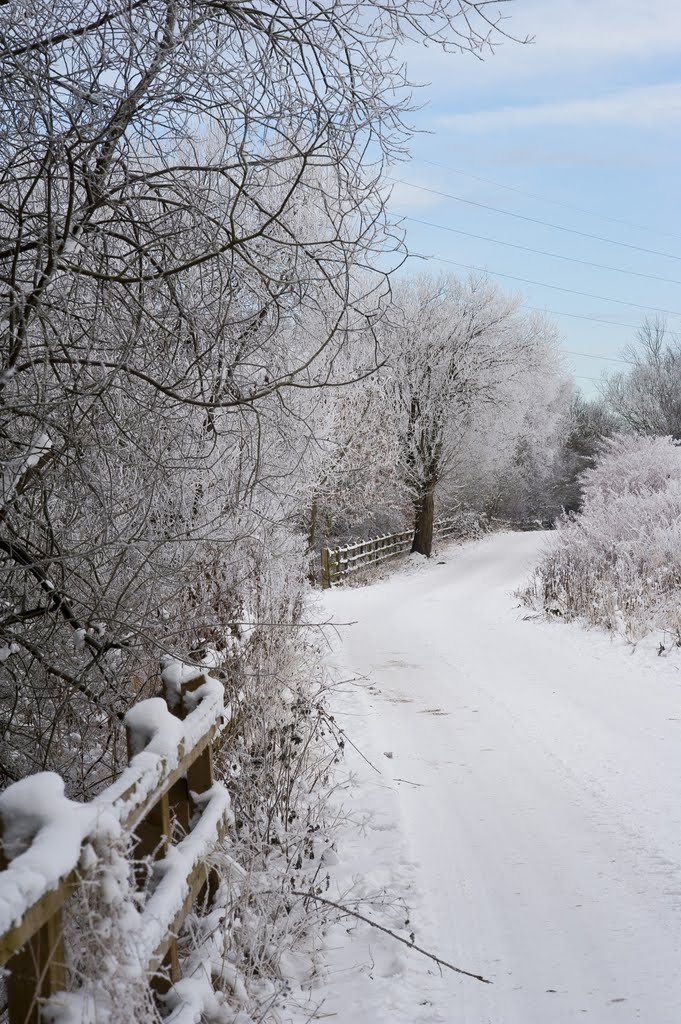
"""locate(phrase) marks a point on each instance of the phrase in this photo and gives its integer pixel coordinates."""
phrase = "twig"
(347, 739)
(394, 935)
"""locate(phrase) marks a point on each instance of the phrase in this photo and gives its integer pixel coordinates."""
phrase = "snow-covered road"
(531, 808)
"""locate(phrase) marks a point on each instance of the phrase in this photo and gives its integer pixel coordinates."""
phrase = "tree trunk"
(423, 525)
(312, 529)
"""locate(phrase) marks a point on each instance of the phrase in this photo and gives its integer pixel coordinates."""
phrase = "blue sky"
(588, 116)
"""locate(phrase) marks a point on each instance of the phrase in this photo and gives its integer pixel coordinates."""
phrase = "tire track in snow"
(542, 807)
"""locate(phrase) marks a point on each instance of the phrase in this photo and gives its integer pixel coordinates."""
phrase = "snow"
(71, 1008)
(158, 739)
(209, 694)
(529, 813)
(175, 674)
(172, 872)
(42, 833)
(152, 728)
(7, 651)
(212, 659)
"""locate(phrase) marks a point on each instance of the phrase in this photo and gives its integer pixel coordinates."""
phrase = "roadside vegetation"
(616, 563)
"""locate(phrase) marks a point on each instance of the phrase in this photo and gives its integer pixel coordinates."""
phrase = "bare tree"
(647, 398)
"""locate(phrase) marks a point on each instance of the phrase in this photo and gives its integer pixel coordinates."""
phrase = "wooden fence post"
(199, 778)
(37, 971)
(152, 840)
(152, 834)
(326, 569)
(200, 773)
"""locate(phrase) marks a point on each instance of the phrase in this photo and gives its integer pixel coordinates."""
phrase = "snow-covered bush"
(618, 563)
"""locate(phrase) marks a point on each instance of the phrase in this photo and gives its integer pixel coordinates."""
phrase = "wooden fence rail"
(336, 563)
(165, 797)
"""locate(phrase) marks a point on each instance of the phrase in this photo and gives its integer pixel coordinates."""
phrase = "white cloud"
(571, 37)
(620, 28)
(645, 106)
(405, 195)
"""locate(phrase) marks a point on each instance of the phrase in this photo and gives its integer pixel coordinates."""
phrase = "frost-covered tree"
(588, 424)
(186, 191)
(355, 479)
(647, 397)
(454, 348)
(512, 458)
(191, 217)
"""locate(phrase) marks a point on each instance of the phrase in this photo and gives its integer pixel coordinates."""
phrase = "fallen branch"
(394, 935)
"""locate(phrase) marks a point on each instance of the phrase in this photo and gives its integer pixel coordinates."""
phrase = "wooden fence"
(339, 562)
(165, 797)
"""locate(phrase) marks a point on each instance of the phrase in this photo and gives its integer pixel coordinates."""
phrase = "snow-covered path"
(532, 802)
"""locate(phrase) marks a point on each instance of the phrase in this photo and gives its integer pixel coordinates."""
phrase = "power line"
(532, 220)
(582, 316)
(592, 355)
(543, 284)
(539, 252)
(547, 199)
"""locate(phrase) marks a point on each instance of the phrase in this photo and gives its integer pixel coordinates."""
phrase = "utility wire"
(582, 316)
(539, 252)
(593, 355)
(543, 284)
(532, 220)
(547, 199)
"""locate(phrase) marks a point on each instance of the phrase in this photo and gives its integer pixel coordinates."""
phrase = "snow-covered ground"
(527, 805)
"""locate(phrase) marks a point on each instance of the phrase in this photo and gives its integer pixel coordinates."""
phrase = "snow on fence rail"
(339, 562)
(168, 787)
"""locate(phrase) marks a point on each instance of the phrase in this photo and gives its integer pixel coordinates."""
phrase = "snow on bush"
(618, 563)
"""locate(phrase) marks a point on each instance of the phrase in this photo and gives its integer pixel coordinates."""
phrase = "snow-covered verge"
(528, 814)
(617, 564)
(368, 967)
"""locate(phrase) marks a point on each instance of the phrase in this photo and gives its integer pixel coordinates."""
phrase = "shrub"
(618, 563)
